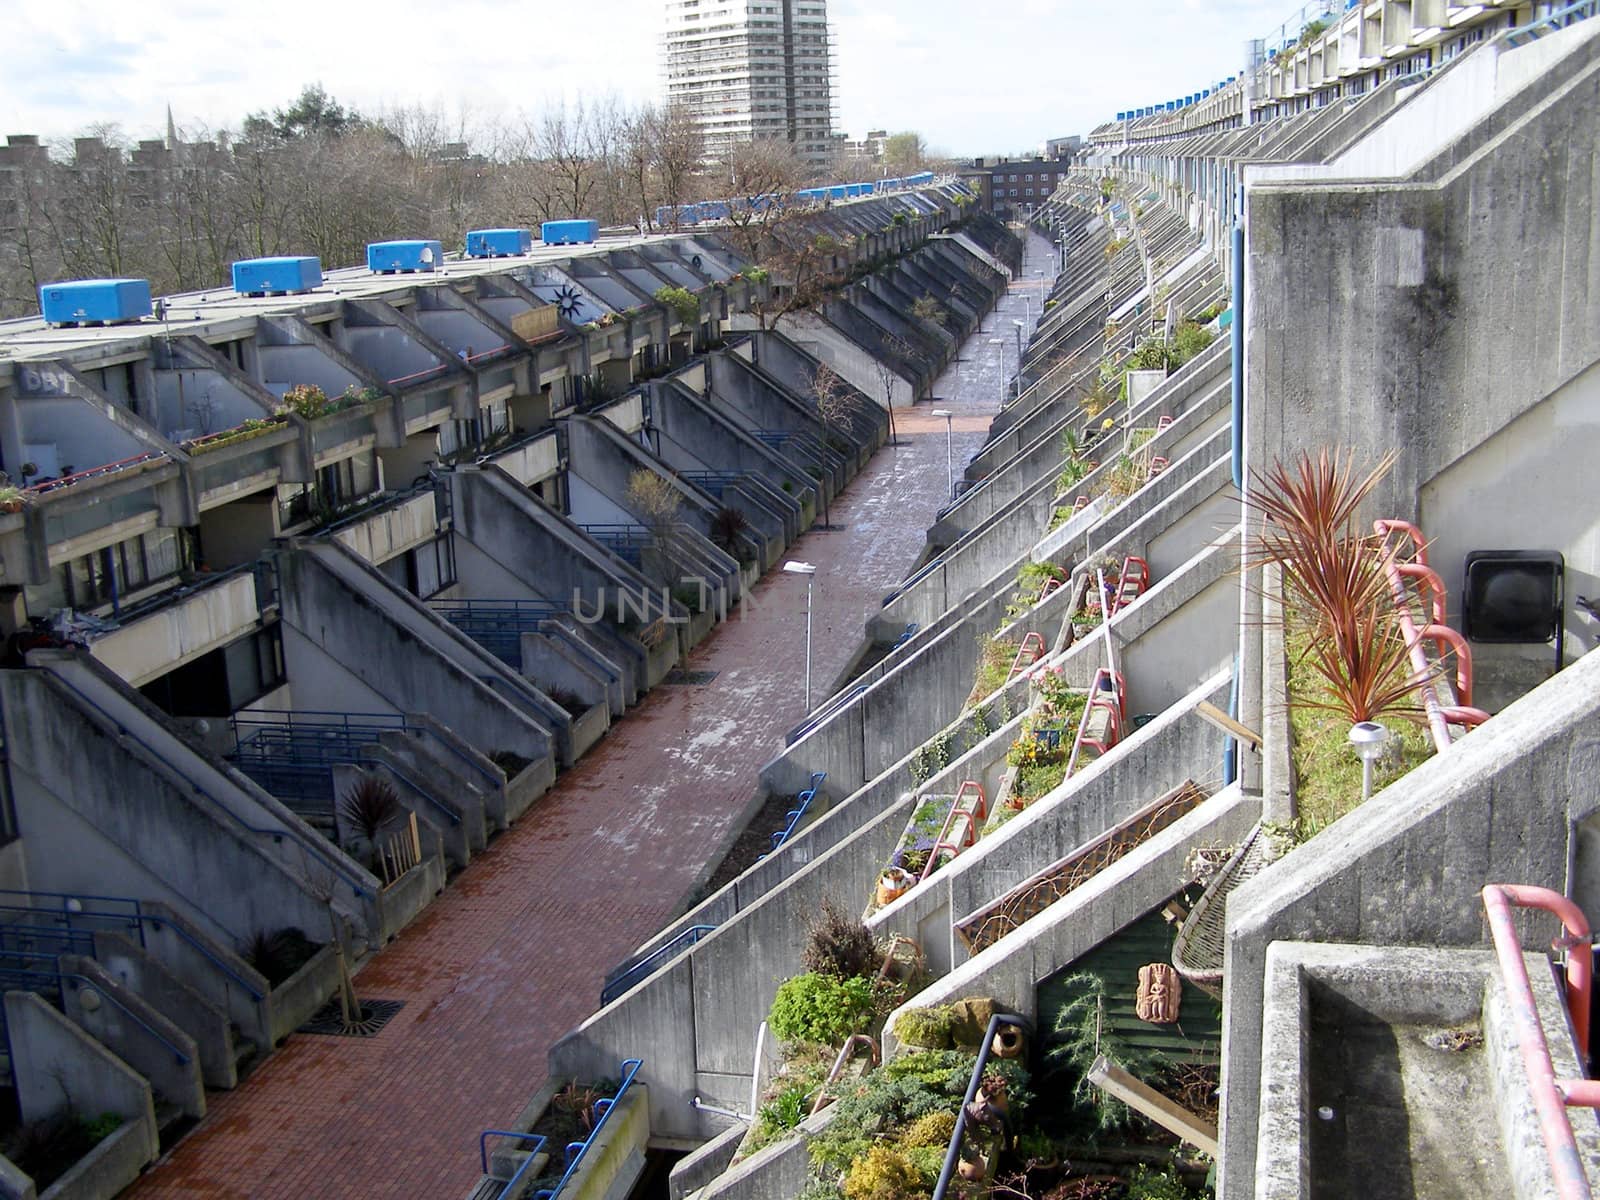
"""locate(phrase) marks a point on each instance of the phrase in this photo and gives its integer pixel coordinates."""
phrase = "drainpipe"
(1237, 332)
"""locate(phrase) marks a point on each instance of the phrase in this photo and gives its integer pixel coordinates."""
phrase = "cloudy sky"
(973, 78)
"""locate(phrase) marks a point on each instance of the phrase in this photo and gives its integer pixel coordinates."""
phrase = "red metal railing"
(1551, 1096)
(1439, 716)
(122, 464)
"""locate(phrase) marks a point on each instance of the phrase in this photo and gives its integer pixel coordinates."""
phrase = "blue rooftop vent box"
(498, 243)
(385, 258)
(87, 301)
(258, 276)
(568, 233)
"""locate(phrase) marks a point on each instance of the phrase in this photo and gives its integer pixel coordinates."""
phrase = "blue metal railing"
(483, 1156)
(823, 714)
(21, 940)
(277, 835)
(498, 625)
(648, 965)
(1559, 19)
(793, 817)
(134, 921)
(30, 979)
(627, 542)
(604, 1109)
(911, 632)
(914, 578)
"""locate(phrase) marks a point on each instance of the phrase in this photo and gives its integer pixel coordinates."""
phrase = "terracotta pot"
(1008, 1042)
(894, 883)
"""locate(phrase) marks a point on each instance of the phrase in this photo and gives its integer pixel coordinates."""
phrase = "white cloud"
(973, 79)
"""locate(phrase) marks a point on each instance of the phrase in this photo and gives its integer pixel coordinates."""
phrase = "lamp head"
(1368, 739)
(799, 568)
(942, 412)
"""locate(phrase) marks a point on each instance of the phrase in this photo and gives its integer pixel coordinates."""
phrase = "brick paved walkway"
(513, 954)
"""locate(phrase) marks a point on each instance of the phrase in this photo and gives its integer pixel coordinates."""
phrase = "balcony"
(177, 626)
(379, 534)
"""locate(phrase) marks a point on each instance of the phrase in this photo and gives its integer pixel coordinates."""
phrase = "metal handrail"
(1559, 19)
(837, 704)
(277, 835)
(625, 981)
(792, 817)
(577, 1150)
(138, 919)
(1551, 1096)
(59, 977)
(953, 1153)
(367, 759)
(483, 1155)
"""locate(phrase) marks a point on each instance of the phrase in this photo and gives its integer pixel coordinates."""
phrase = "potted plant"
(12, 498)
(894, 883)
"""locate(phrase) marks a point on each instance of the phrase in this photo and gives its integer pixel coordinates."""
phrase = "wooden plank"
(1142, 1098)
(1210, 712)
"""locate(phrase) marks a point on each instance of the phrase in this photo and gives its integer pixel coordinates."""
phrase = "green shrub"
(682, 302)
(882, 1174)
(928, 1028)
(783, 1112)
(933, 1129)
(820, 1008)
(1147, 1184)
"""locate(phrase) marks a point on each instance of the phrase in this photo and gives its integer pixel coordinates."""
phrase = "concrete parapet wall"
(1406, 867)
(135, 971)
(1175, 747)
(57, 1065)
(135, 1031)
(1013, 968)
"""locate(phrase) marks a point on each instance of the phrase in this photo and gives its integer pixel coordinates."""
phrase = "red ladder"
(1030, 652)
(1106, 695)
(1132, 582)
(970, 794)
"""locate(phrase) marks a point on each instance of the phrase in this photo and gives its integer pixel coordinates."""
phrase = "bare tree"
(837, 404)
(680, 149)
(762, 175)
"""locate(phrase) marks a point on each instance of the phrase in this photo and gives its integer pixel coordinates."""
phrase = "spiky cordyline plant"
(1338, 579)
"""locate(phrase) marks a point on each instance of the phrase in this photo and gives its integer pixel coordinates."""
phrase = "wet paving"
(512, 955)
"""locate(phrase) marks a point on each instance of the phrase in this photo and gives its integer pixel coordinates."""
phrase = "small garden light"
(1369, 739)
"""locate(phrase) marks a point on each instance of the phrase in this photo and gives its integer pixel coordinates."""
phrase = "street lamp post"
(949, 453)
(1017, 326)
(808, 570)
(1001, 342)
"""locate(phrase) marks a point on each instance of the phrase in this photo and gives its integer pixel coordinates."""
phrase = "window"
(1027, 178)
(431, 567)
(109, 575)
(1029, 192)
(223, 681)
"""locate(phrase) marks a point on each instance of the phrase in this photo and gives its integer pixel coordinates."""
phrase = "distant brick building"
(1015, 185)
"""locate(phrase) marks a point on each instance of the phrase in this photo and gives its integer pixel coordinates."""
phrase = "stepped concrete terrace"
(514, 953)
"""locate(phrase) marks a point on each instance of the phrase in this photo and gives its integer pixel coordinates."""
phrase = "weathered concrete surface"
(1406, 867)
(1347, 1032)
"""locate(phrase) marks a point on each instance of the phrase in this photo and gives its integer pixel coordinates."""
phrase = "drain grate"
(375, 1014)
(679, 678)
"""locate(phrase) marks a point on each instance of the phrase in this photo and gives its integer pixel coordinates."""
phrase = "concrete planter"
(409, 895)
(297, 997)
(111, 1166)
